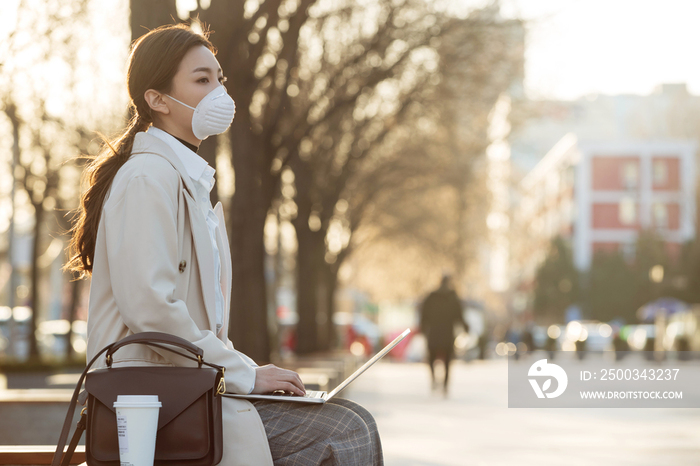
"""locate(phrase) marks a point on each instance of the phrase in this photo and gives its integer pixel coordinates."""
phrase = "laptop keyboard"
(309, 394)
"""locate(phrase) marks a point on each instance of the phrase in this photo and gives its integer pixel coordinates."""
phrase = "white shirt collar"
(195, 165)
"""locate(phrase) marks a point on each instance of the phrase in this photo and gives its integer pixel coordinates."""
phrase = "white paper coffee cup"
(137, 425)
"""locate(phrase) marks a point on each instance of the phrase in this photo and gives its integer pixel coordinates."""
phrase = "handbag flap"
(176, 387)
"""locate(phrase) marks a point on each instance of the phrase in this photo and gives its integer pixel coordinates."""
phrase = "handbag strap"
(69, 417)
(145, 338)
(79, 429)
(149, 338)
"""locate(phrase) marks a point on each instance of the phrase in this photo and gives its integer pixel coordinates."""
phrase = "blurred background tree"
(616, 285)
(652, 264)
(612, 286)
(685, 281)
(429, 216)
(41, 101)
(557, 283)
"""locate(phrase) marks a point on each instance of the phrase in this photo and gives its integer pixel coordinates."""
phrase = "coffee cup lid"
(137, 401)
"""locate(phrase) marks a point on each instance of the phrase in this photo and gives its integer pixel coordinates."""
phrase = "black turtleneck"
(191, 147)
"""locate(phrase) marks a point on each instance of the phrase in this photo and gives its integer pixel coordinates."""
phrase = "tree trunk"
(248, 326)
(72, 311)
(329, 273)
(462, 236)
(310, 257)
(34, 280)
(151, 14)
(308, 253)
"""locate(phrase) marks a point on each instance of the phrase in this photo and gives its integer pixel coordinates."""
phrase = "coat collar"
(198, 168)
(147, 143)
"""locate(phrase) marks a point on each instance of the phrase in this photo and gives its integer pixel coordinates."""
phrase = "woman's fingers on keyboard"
(271, 378)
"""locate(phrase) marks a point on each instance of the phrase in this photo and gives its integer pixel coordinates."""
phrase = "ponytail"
(98, 175)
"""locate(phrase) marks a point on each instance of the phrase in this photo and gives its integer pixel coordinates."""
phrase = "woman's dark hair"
(154, 59)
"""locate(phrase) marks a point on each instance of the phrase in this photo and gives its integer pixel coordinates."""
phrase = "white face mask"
(213, 115)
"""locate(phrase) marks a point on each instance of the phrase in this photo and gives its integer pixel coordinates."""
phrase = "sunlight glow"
(577, 48)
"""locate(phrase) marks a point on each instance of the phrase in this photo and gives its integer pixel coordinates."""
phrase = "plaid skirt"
(339, 432)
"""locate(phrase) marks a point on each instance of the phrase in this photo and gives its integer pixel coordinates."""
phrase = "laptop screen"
(367, 365)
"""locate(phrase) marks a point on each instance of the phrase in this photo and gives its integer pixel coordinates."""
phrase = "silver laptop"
(315, 396)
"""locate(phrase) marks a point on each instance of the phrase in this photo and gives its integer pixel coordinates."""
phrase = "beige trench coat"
(153, 260)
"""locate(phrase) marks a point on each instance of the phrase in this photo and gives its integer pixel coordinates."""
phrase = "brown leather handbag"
(189, 421)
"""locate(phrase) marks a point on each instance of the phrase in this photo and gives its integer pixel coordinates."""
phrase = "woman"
(159, 258)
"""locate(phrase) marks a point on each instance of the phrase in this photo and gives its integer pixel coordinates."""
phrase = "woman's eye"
(203, 80)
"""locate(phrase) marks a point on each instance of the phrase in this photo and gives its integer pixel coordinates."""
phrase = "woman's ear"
(155, 100)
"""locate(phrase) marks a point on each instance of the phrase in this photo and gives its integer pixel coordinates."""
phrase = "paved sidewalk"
(474, 426)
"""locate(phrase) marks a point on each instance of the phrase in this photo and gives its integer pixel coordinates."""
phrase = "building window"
(660, 215)
(630, 175)
(628, 211)
(660, 173)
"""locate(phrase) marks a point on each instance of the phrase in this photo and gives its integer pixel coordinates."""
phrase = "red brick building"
(601, 194)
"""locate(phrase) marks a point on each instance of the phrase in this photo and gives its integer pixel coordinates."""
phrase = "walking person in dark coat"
(440, 311)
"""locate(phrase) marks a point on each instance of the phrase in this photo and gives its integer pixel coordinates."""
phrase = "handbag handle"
(153, 339)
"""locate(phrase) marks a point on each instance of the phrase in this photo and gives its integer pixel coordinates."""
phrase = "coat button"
(183, 264)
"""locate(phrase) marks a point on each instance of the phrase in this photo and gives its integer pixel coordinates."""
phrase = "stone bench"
(319, 378)
(35, 454)
(33, 416)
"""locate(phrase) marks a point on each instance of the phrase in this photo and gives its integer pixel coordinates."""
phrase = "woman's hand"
(270, 378)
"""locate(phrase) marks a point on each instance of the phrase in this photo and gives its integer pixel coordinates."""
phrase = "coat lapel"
(205, 257)
(226, 267)
(146, 143)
